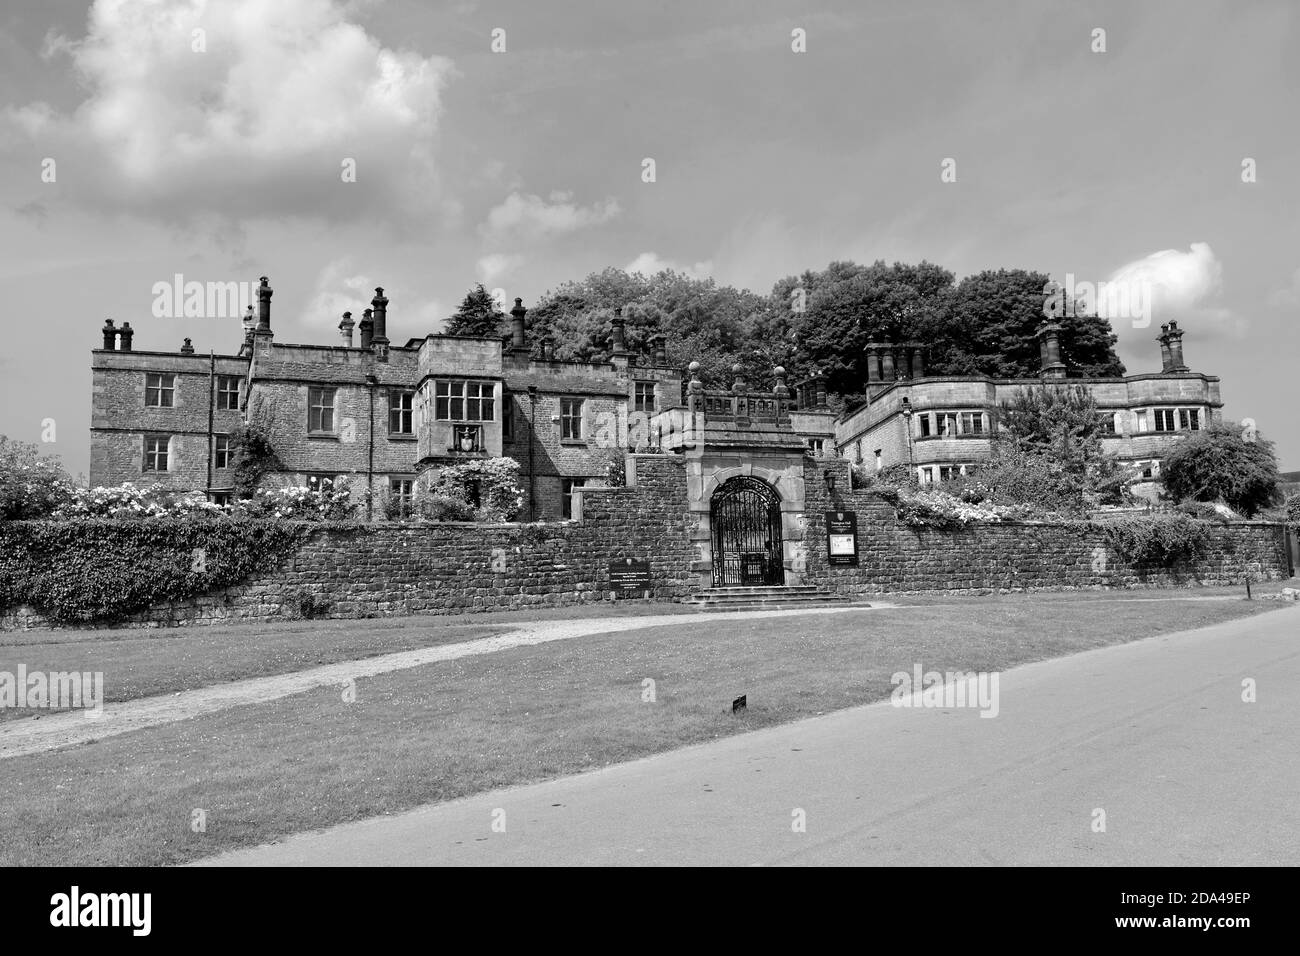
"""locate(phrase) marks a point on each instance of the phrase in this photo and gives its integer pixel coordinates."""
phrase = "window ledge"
(402, 436)
(328, 436)
(574, 442)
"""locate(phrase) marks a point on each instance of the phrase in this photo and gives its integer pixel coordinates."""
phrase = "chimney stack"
(367, 327)
(110, 335)
(187, 348)
(918, 361)
(887, 371)
(379, 336)
(660, 354)
(548, 348)
(1049, 347)
(873, 363)
(618, 337)
(127, 332)
(345, 329)
(1171, 348)
(264, 293)
(518, 341)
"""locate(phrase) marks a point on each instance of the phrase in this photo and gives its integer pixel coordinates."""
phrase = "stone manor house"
(383, 415)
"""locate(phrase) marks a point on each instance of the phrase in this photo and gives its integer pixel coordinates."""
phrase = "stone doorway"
(745, 519)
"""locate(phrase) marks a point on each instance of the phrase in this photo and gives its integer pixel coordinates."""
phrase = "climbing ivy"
(103, 569)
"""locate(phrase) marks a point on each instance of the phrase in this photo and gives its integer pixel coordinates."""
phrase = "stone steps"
(758, 598)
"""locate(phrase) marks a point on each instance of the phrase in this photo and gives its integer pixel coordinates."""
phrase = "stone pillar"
(918, 362)
(110, 335)
(780, 390)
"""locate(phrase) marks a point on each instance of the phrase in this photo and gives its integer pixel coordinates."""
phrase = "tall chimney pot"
(264, 293)
(345, 329)
(110, 335)
(127, 333)
(518, 340)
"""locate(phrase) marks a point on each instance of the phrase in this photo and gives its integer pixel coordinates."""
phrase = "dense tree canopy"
(820, 321)
(1220, 463)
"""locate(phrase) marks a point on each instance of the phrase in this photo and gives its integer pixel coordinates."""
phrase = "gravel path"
(20, 738)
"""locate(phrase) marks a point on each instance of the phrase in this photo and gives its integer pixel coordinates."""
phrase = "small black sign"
(842, 539)
(629, 577)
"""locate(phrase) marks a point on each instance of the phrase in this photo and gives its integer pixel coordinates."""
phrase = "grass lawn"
(454, 728)
(144, 662)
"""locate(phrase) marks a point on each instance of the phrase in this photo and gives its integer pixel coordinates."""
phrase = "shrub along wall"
(354, 570)
(894, 556)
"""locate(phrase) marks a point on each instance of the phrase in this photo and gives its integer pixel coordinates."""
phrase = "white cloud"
(1184, 286)
(496, 265)
(650, 263)
(338, 290)
(341, 288)
(530, 217)
(259, 122)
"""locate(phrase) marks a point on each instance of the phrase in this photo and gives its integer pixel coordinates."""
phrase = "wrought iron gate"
(745, 515)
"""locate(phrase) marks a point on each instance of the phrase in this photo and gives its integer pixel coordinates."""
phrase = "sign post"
(629, 577)
(842, 539)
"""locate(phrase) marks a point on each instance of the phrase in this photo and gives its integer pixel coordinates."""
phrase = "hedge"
(104, 569)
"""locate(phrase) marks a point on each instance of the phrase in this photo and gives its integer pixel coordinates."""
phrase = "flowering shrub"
(444, 508)
(128, 501)
(31, 486)
(489, 484)
(299, 503)
(932, 508)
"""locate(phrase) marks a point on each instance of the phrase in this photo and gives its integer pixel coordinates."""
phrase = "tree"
(1048, 450)
(992, 330)
(1218, 463)
(31, 486)
(478, 315)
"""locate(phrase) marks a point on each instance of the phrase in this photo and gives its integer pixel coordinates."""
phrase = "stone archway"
(745, 525)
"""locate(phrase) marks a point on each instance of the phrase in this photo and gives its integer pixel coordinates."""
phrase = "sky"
(423, 147)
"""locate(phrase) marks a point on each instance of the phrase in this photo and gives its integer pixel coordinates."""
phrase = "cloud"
(649, 264)
(1185, 286)
(254, 115)
(340, 288)
(495, 265)
(523, 217)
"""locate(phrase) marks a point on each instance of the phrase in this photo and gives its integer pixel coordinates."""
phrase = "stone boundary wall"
(378, 570)
(893, 556)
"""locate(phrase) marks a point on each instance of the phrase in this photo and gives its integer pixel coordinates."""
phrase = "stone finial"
(780, 390)
(738, 387)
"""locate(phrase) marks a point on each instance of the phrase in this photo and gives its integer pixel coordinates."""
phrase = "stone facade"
(942, 425)
(375, 413)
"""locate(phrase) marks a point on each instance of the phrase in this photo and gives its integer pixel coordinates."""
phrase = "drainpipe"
(212, 394)
(371, 382)
(532, 442)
